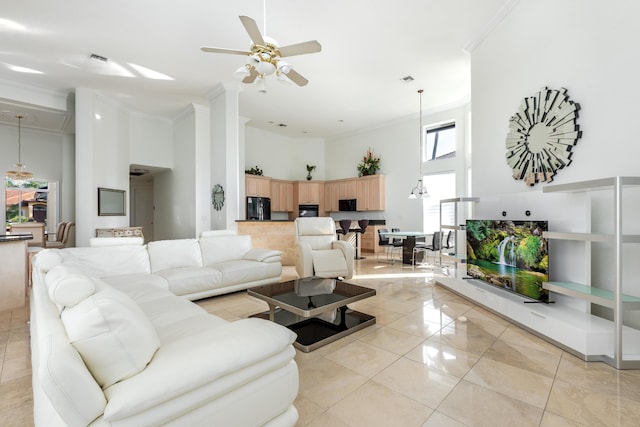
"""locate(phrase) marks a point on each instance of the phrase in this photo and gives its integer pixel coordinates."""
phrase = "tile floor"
(432, 359)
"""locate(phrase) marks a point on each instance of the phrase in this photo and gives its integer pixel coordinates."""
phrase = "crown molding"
(475, 41)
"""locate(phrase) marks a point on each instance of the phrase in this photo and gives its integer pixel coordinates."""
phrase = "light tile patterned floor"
(432, 359)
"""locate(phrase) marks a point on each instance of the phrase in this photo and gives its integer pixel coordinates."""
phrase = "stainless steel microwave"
(347, 205)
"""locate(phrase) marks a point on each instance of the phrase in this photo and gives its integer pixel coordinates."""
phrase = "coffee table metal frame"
(311, 326)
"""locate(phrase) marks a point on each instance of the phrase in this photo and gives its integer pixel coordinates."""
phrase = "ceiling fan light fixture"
(261, 83)
(242, 72)
(284, 67)
(266, 68)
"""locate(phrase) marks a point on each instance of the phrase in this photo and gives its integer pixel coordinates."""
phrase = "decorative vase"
(309, 176)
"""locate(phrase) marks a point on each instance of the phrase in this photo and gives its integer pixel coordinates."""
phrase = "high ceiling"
(355, 82)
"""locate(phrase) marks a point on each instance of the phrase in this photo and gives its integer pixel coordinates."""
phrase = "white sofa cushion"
(106, 261)
(47, 259)
(116, 241)
(166, 254)
(112, 334)
(223, 248)
(244, 271)
(68, 286)
(188, 280)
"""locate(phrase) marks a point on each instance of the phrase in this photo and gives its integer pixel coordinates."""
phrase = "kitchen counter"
(13, 270)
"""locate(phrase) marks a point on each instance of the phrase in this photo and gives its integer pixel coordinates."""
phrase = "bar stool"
(362, 227)
(345, 224)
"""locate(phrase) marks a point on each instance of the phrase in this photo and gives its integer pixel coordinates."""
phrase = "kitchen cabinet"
(257, 186)
(308, 193)
(331, 191)
(369, 239)
(370, 193)
(281, 196)
(347, 189)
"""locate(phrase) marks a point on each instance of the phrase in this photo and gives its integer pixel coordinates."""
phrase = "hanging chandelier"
(420, 190)
(19, 174)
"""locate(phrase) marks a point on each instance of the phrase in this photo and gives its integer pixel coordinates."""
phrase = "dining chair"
(435, 246)
(64, 241)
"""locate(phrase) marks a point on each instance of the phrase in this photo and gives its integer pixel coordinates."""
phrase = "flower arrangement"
(369, 164)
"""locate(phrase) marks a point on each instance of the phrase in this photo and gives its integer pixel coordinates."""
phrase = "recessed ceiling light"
(282, 125)
(149, 73)
(26, 70)
(407, 79)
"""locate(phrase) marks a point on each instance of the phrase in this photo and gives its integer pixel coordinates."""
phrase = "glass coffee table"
(315, 309)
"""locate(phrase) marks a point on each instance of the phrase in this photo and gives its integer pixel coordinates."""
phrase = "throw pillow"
(112, 334)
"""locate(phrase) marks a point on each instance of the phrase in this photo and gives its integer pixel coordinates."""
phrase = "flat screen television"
(510, 255)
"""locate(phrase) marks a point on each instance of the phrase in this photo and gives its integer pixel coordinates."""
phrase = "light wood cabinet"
(369, 240)
(331, 190)
(281, 196)
(257, 186)
(370, 193)
(308, 193)
(347, 189)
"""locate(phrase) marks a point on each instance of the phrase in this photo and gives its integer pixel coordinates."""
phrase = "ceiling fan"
(265, 56)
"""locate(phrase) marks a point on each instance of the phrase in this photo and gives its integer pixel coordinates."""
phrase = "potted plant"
(369, 165)
(310, 169)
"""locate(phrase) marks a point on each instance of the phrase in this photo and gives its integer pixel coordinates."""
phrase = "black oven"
(307, 210)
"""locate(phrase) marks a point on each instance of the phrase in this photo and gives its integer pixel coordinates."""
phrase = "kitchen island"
(275, 234)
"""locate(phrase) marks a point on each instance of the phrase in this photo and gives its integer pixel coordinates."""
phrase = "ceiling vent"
(98, 57)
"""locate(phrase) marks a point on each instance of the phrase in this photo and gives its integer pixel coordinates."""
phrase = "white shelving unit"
(619, 356)
(459, 256)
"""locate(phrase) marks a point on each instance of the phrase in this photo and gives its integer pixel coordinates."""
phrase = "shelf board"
(453, 227)
(590, 185)
(592, 294)
(587, 237)
(461, 199)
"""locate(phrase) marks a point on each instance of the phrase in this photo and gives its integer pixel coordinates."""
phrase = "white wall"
(397, 144)
(150, 141)
(284, 158)
(174, 191)
(588, 48)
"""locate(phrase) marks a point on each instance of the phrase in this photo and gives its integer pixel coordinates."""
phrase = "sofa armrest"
(348, 251)
(304, 259)
(263, 255)
(211, 356)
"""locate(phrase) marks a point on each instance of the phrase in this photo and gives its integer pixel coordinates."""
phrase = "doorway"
(142, 205)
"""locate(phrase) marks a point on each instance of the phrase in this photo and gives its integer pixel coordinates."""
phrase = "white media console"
(589, 337)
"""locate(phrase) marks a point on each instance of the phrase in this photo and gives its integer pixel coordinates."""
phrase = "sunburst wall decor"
(541, 136)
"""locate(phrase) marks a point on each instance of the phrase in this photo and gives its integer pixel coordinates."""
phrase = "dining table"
(408, 241)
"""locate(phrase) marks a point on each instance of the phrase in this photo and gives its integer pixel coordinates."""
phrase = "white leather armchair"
(318, 251)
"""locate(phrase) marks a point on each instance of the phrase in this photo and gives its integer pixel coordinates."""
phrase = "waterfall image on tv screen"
(511, 255)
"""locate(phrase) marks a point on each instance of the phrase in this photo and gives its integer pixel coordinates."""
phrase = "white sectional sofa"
(115, 341)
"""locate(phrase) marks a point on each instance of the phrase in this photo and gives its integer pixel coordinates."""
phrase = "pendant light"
(19, 175)
(419, 191)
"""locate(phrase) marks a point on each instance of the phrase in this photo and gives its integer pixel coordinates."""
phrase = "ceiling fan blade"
(252, 28)
(222, 50)
(251, 77)
(312, 46)
(295, 77)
